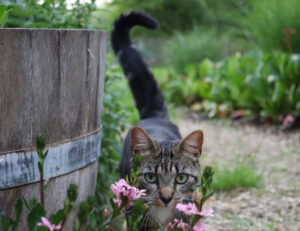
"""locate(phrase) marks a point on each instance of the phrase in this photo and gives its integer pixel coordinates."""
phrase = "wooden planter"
(51, 83)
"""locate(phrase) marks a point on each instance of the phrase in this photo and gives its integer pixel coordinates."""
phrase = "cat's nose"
(166, 194)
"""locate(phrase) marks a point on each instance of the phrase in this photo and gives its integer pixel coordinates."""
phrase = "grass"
(241, 176)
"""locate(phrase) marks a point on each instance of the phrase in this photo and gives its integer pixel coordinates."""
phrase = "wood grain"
(51, 83)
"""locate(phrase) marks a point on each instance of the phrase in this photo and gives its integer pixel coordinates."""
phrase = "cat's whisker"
(150, 215)
(149, 203)
(146, 217)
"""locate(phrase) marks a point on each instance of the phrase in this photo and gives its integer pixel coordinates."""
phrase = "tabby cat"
(169, 166)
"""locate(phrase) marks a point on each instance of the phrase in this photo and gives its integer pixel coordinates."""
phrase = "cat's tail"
(148, 97)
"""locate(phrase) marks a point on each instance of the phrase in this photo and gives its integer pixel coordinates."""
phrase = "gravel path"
(276, 155)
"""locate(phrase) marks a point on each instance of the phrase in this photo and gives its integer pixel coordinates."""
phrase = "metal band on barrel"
(21, 167)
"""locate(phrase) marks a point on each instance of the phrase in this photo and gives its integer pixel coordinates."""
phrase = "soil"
(274, 154)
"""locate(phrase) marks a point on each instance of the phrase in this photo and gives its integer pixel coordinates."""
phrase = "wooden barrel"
(51, 83)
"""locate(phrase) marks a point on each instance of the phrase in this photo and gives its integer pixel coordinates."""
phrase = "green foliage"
(206, 182)
(84, 211)
(3, 15)
(272, 25)
(46, 14)
(192, 47)
(11, 224)
(179, 88)
(72, 192)
(266, 84)
(114, 120)
(241, 176)
(172, 15)
(36, 212)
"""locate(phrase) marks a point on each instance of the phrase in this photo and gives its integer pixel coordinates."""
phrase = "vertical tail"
(148, 97)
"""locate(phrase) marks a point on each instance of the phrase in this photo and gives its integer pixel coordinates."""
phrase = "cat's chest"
(164, 215)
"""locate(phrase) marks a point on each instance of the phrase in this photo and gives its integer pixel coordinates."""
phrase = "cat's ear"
(141, 143)
(192, 144)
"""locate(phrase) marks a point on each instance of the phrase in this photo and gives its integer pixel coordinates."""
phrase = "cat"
(169, 164)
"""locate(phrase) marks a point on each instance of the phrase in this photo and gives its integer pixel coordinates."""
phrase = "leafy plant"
(3, 15)
(264, 84)
(267, 84)
(115, 121)
(46, 14)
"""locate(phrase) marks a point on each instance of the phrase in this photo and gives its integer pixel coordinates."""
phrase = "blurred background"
(234, 62)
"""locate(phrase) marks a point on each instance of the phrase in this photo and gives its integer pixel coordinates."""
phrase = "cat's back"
(160, 129)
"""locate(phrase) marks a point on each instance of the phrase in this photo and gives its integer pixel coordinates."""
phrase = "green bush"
(271, 24)
(172, 15)
(48, 14)
(266, 84)
(115, 121)
(3, 15)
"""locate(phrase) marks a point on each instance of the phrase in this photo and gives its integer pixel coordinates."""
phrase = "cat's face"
(169, 170)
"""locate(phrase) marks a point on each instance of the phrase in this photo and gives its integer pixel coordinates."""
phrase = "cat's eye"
(150, 177)
(182, 178)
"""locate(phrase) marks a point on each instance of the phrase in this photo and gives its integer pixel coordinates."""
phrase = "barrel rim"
(51, 29)
(20, 168)
(33, 148)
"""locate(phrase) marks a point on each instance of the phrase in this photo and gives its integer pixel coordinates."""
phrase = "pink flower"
(208, 213)
(133, 193)
(289, 119)
(117, 202)
(105, 213)
(119, 187)
(129, 204)
(129, 191)
(198, 226)
(187, 209)
(48, 224)
(169, 226)
(181, 224)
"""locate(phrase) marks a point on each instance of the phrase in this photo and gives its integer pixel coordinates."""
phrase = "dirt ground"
(274, 154)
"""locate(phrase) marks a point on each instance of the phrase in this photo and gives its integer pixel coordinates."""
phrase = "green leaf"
(34, 216)
(83, 213)
(40, 142)
(5, 224)
(32, 203)
(19, 209)
(3, 15)
(72, 192)
(58, 217)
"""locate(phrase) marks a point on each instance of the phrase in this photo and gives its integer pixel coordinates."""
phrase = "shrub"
(48, 14)
(3, 15)
(115, 121)
(268, 84)
(264, 84)
(272, 24)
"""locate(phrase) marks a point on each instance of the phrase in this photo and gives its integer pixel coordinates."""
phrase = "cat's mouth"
(162, 204)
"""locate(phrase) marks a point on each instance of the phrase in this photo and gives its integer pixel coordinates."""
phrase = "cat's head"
(169, 170)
